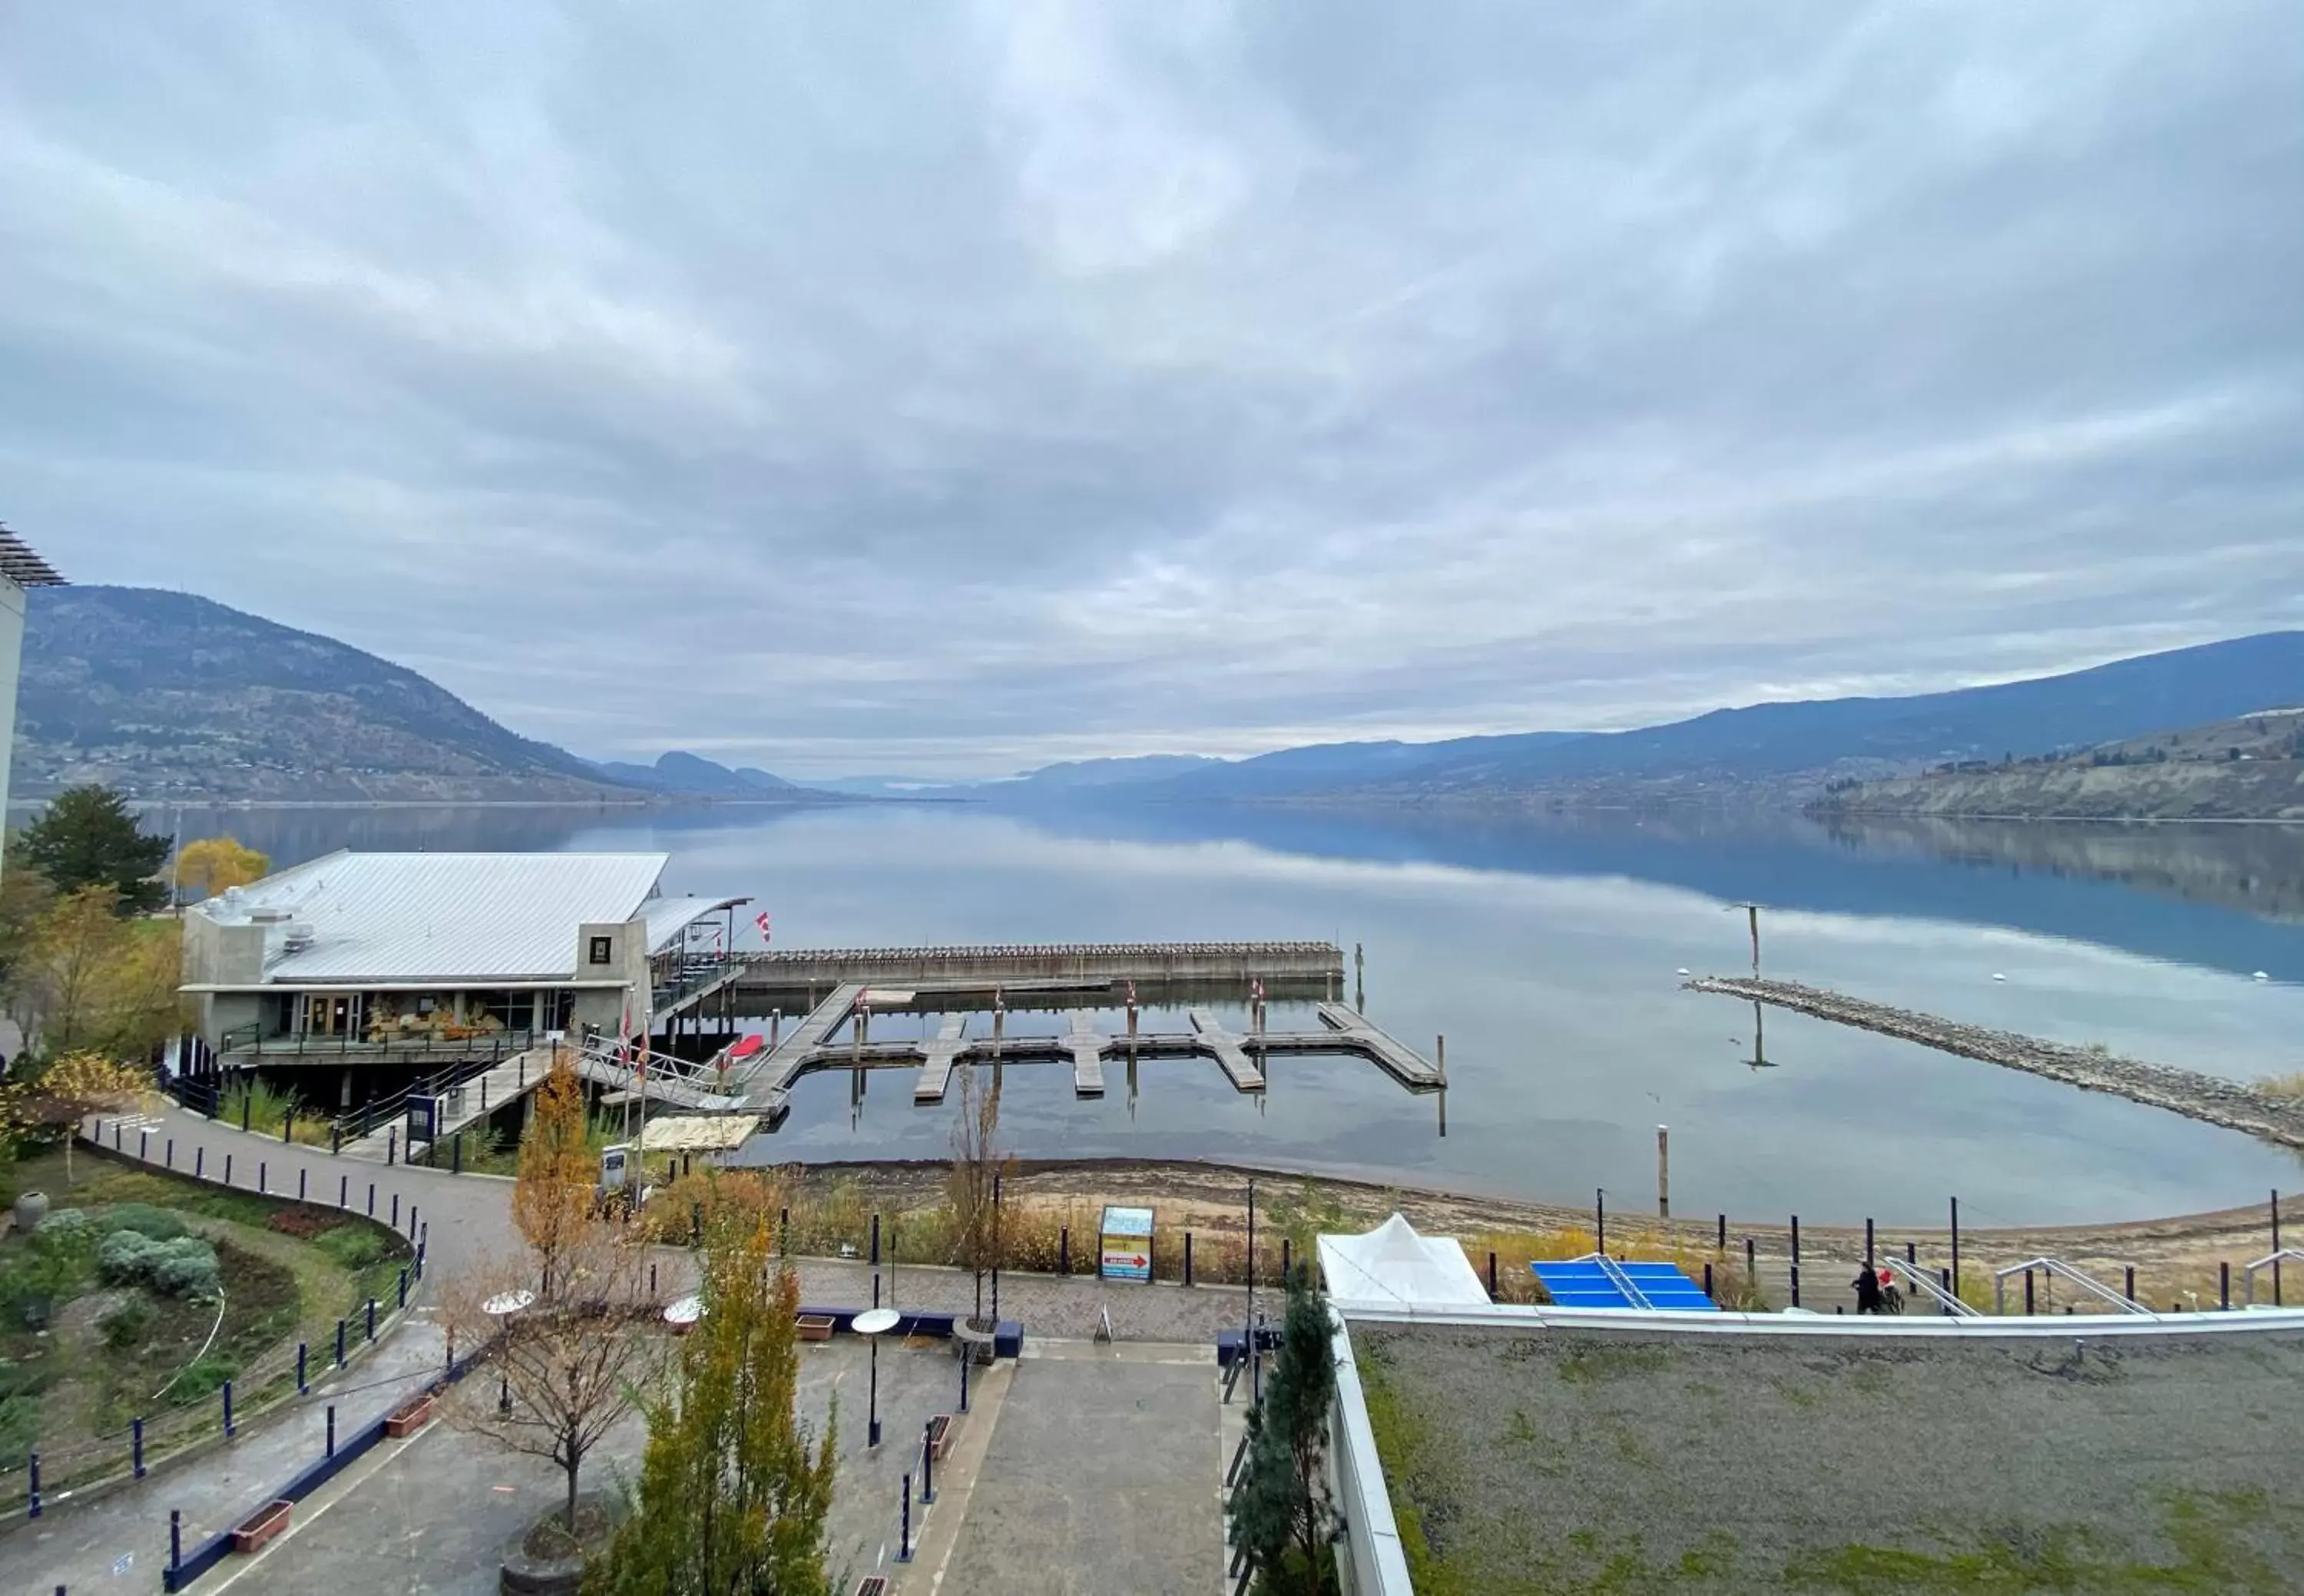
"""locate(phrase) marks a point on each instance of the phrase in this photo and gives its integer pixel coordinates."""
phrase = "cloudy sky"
(949, 388)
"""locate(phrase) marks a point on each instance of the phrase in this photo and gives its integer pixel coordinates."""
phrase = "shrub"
(66, 1223)
(186, 1266)
(144, 1220)
(127, 1324)
(352, 1246)
(124, 1257)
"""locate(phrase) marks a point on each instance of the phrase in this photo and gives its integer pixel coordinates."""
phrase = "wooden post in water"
(1664, 1172)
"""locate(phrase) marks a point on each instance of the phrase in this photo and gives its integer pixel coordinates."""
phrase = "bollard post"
(651, 1279)
(1064, 1249)
(1188, 1258)
(227, 1169)
(904, 1535)
(1912, 1255)
(116, 1135)
(2027, 1291)
(34, 1509)
(1708, 1280)
(200, 1162)
(964, 1361)
(411, 1221)
(2224, 1283)
(371, 1319)
(302, 1389)
(335, 1140)
(2276, 1246)
(876, 1244)
(456, 1155)
(263, 1177)
(391, 1147)
(246, 1106)
(301, 1173)
(332, 1429)
(1795, 1270)
(1955, 1246)
(1492, 1274)
(927, 1463)
(372, 1200)
(1795, 1238)
(395, 1210)
(404, 1288)
(144, 1144)
(229, 1429)
(1751, 1266)
(1943, 1278)
(136, 1445)
(344, 1190)
(175, 1540)
(340, 1343)
(288, 1125)
(168, 1159)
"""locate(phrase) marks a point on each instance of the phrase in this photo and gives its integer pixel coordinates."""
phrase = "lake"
(1546, 948)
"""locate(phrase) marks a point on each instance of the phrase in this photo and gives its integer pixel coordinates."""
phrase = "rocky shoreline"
(2232, 1104)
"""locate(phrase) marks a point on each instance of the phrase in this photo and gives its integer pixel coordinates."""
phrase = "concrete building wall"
(626, 960)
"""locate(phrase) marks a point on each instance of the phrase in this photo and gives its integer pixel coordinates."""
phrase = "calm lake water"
(1545, 949)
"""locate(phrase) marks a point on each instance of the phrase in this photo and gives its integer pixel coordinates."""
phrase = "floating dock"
(844, 988)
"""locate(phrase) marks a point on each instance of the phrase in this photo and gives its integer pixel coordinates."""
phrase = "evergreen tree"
(86, 837)
(1281, 1510)
(734, 1490)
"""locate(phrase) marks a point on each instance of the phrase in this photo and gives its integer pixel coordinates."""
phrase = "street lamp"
(501, 1307)
(872, 1324)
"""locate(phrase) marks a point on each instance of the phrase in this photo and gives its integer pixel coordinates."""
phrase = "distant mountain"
(691, 776)
(1076, 773)
(2247, 767)
(170, 696)
(1788, 749)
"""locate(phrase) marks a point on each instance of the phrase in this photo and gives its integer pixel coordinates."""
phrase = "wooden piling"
(1664, 1172)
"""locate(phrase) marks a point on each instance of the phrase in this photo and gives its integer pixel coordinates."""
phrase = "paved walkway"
(80, 1546)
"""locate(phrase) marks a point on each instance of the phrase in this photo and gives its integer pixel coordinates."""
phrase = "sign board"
(612, 1167)
(423, 1119)
(1124, 1244)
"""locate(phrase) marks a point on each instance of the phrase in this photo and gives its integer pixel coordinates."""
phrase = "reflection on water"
(1545, 947)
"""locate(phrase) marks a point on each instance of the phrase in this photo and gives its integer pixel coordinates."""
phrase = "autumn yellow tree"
(87, 979)
(209, 865)
(68, 1090)
(551, 1198)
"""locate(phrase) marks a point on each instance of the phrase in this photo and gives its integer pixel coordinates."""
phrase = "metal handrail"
(2059, 1268)
(1622, 1281)
(2269, 1261)
(1929, 1287)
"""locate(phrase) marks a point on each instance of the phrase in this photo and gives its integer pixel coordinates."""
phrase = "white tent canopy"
(1393, 1265)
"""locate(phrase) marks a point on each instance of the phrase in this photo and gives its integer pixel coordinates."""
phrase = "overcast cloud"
(949, 388)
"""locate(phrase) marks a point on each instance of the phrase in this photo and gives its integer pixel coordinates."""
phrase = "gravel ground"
(1597, 1462)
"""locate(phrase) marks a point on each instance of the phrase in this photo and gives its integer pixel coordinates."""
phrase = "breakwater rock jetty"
(2232, 1104)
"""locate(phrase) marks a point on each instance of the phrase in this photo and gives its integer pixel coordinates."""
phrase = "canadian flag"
(761, 921)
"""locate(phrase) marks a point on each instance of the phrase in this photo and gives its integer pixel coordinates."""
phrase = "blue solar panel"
(1587, 1283)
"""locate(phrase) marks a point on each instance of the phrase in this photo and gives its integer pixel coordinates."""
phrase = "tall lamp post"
(872, 1324)
(501, 1307)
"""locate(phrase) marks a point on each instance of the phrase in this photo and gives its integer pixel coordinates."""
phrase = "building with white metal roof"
(438, 953)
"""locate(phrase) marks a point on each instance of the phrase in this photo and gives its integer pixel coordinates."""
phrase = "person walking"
(1867, 1291)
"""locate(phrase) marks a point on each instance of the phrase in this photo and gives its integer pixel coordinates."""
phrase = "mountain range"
(168, 695)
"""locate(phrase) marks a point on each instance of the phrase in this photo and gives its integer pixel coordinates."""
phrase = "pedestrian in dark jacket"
(1867, 1291)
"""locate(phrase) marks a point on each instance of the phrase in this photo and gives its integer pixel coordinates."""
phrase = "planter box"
(940, 1436)
(816, 1327)
(411, 1415)
(261, 1525)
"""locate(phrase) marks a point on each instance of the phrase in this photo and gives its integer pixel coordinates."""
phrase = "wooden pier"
(2209, 1098)
(835, 1035)
(1313, 970)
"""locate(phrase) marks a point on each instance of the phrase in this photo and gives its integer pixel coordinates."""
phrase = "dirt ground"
(2171, 1255)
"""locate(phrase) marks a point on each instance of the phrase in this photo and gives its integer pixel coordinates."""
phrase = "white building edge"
(21, 570)
(1391, 1275)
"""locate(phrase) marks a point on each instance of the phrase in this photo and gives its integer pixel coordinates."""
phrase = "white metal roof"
(669, 918)
(449, 917)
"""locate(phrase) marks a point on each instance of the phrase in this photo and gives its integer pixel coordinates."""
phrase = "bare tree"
(972, 1185)
(572, 1360)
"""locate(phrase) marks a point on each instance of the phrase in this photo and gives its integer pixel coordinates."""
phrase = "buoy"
(1997, 976)
(1683, 970)
(2260, 975)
